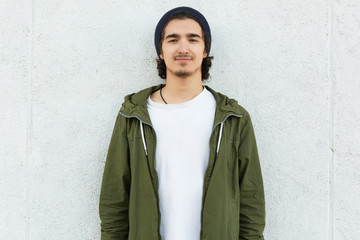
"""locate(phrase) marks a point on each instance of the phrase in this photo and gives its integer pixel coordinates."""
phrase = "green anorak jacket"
(233, 204)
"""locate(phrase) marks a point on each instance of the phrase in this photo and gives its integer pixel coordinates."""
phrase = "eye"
(193, 40)
(172, 40)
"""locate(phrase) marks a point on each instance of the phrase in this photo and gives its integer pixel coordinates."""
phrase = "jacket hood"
(135, 105)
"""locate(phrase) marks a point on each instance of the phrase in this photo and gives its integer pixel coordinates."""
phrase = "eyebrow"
(189, 35)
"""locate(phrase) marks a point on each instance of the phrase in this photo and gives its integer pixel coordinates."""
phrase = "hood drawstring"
(219, 140)
(143, 137)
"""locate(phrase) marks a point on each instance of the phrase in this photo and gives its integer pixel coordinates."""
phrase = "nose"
(183, 47)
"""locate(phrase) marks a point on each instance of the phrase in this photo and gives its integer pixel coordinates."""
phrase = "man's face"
(183, 47)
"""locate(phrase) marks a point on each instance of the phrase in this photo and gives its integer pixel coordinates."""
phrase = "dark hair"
(206, 63)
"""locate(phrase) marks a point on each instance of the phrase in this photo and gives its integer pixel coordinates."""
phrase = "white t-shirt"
(182, 152)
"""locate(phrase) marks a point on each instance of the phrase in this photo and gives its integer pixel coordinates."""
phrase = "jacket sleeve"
(115, 188)
(252, 199)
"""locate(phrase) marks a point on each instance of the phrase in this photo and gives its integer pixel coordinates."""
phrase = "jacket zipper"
(157, 179)
(216, 154)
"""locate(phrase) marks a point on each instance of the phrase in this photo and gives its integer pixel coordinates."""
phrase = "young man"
(182, 162)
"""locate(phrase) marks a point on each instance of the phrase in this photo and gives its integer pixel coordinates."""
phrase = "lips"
(183, 59)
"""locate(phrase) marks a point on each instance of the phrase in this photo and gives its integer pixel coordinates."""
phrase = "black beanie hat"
(196, 14)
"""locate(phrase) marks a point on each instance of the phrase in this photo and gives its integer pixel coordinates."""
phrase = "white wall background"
(65, 67)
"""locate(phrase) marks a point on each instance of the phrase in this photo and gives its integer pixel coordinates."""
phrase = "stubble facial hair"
(182, 74)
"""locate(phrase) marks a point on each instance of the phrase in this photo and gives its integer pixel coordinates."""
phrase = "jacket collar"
(135, 105)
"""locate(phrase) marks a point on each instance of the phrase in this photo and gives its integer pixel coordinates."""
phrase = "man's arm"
(252, 199)
(115, 188)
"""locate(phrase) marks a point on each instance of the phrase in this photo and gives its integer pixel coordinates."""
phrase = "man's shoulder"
(225, 102)
(135, 103)
(140, 97)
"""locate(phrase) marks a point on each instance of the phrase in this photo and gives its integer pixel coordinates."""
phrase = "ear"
(205, 54)
(161, 56)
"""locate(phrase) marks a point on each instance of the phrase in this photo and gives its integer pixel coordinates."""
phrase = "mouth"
(183, 59)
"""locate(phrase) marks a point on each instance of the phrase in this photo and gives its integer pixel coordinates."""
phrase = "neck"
(182, 89)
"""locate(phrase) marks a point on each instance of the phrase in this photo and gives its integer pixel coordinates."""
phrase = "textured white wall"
(65, 67)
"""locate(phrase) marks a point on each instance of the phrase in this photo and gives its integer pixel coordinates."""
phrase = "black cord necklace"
(162, 96)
